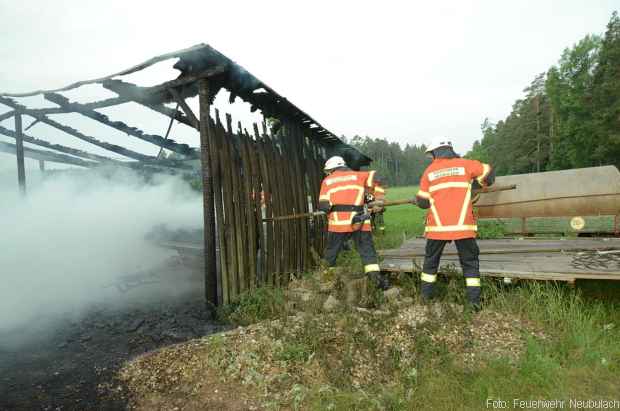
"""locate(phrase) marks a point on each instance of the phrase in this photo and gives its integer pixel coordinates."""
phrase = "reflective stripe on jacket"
(447, 184)
(348, 188)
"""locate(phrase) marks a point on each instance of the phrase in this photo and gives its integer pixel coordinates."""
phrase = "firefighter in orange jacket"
(343, 194)
(445, 189)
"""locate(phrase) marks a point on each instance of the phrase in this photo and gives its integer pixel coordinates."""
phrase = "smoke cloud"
(77, 232)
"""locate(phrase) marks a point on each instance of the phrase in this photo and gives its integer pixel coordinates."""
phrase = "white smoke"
(76, 233)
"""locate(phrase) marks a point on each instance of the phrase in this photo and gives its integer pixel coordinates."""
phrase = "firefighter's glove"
(377, 206)
(358, 221)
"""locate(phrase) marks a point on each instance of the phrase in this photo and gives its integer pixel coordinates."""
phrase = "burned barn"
(249, 174)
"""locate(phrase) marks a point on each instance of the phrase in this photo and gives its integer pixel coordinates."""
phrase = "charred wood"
(121, 126)
(45, 155)
(58, 147)
(71, 131)
(7, 115)
(186, 109)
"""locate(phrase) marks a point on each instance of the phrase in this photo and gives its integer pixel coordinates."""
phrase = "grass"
(302, 357)
(580, 358)
(577, 355)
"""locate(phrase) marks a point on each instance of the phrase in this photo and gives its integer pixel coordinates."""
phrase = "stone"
(357, 290)
(327, 287)
(407, 301)
(331, 303)
(392, 294)
(301, 294)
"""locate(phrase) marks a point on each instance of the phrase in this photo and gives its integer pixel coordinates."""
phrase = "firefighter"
(445, 189)
(343, 195)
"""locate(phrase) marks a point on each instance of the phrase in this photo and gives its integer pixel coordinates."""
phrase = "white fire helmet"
(334, 162)
(437, 143)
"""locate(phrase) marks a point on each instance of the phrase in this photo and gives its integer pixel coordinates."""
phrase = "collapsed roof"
(196, 62)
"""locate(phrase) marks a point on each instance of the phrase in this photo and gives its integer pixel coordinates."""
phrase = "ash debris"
(72, 365)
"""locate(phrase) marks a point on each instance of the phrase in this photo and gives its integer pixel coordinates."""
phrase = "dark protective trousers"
(366, 249)
(468, 256)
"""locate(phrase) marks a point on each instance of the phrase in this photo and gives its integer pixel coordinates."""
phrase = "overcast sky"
(406, 71)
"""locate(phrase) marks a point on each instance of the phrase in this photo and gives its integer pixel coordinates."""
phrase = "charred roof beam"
(75, 133)
(136, 94)
(159, 141)
(58, 147)
(46, 155)
(7, 115)
(114, 101)
(186, 109)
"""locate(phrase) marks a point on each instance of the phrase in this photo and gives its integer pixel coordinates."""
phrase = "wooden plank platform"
(539, 259)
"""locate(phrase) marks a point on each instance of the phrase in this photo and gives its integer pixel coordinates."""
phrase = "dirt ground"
(70, 362)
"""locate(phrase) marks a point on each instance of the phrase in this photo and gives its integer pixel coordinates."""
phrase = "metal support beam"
(19, 153)
(206, 142)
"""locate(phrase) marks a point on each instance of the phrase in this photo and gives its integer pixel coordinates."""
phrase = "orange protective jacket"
(346, 187)
(447, 185)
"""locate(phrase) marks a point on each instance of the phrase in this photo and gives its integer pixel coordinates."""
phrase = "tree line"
(396, 165)
(569, 116)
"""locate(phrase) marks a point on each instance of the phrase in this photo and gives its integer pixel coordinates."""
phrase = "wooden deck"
(538, 259)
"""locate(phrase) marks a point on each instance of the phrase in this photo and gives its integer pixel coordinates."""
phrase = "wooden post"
(206, 142)
(42, 165)
(19, 152)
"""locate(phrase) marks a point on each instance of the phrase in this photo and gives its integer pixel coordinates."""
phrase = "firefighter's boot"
(472, 287)
(379, 279)
(428, 286)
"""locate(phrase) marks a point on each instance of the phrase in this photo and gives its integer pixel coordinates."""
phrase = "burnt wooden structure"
(247, 175)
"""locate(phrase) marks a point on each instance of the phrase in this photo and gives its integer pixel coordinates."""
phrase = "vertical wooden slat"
(274, 170)
(269, 226)
(292, 162)
(19, 153)
(292, 200)
(286, 233)
(284, 198)
(250, 222)
(229, 212)
(303, 196)
(259, 195)
(207, 193)
(222, 275)
(237, 203)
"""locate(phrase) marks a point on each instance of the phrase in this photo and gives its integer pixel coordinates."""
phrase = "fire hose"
(373, 204)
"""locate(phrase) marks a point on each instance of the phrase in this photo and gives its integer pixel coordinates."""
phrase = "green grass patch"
(250, 307)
